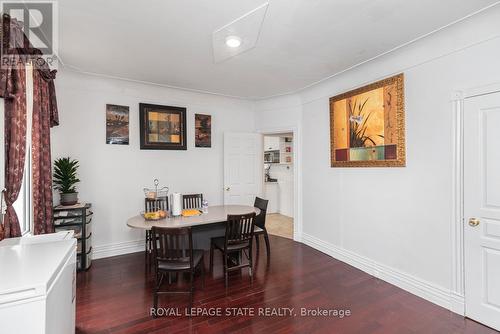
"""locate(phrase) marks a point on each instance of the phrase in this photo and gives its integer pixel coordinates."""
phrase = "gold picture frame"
(367, 125)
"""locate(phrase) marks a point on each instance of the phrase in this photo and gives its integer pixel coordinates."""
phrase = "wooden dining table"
(204, 226)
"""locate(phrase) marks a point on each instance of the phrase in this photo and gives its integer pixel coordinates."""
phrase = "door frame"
(458, 98)
(297, 175)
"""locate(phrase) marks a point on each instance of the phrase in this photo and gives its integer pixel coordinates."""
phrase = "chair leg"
(146, 248)
(225, 269)
(158, 283)
(151, 243)
(211, 257)
(257, 242)
(268, 247)
(191, 290)
(155, 302)
(250, 268)
(202, 263)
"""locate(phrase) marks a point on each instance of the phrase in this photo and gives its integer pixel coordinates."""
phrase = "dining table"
(204, 226)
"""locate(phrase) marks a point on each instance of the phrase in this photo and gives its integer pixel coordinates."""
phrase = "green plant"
(65, 175)
(358, 125)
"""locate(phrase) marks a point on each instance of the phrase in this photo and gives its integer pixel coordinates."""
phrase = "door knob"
(474, 222)
(227, 188)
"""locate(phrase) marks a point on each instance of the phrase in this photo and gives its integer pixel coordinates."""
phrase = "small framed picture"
(203, 130)
(162, 127)
(117, 124)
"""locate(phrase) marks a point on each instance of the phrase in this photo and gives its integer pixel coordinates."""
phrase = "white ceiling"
(301, 41)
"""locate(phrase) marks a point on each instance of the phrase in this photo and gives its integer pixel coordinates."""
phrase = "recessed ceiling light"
(233, 41)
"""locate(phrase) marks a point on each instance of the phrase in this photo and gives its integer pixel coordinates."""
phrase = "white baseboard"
(457, 303)
(119, 248)
(429, 291)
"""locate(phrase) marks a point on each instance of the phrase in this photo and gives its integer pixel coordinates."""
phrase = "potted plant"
(65, 178)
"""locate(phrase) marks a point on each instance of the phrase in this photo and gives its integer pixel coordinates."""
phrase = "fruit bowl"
(154, 216)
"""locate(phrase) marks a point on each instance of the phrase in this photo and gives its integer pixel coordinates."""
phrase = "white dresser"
(38, 284)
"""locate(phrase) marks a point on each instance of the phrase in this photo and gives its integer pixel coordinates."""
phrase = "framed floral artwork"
(367, 126)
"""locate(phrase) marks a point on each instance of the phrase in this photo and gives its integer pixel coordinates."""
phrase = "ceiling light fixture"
(233, 41)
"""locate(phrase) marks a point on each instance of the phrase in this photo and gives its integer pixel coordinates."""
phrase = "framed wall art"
(367, 126)
(117, 119)
(203, 130)
(162, 127)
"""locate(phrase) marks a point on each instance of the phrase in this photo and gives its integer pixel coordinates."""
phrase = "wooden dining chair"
(260, 224)
(153, 205)
(173, 253)
(156, 204)
(238, 238)
(193, 201)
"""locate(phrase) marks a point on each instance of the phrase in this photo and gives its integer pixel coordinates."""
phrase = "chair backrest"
(156, 204)
(239, 228)
(193, 201)
(261, 204)
(173, 245)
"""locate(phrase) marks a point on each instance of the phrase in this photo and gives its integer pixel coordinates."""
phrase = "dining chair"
(173, 253)
(156, 204)
(153, 205)
(193, 201)
(260, 224)
(238, 238)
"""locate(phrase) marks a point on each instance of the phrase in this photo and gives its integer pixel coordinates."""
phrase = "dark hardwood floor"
(115, 296)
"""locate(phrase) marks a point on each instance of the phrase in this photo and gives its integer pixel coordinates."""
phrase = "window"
(22, 205)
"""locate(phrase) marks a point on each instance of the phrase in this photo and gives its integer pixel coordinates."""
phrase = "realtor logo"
(38, 21)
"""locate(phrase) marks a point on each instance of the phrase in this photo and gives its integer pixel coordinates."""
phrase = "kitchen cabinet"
(271, 143)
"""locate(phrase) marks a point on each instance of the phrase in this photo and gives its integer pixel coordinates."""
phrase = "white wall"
(113, 176)
(278, 113)
(394, 219)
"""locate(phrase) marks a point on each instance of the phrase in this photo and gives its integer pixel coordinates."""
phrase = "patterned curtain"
(13, 90)
(45, 116)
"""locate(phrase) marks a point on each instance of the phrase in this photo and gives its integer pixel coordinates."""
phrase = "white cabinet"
(271, 190)
(271, 143)
(38, 284)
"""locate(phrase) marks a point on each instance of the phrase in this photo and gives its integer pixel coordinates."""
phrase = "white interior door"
(482, 209)
(243, 167)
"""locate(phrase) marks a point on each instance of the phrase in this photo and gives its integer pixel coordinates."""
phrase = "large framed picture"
(162, 127)
(367, 126)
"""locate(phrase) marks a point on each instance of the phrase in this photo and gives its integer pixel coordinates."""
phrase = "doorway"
(481, 208)
(278, 187)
